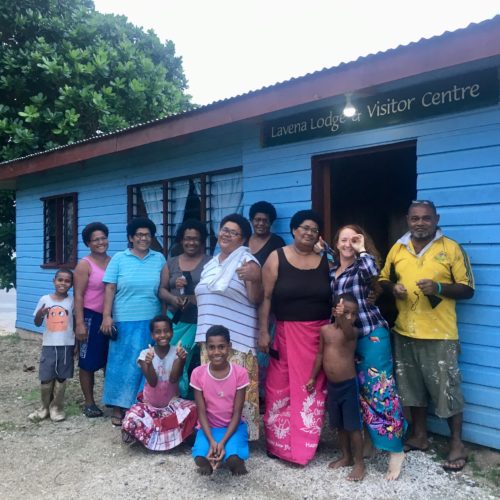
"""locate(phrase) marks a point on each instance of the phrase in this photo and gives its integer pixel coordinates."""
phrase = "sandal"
(92, 411)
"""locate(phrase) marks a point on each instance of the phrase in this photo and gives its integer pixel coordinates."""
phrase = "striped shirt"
(137, 281)
(230, 308)
(357, 279)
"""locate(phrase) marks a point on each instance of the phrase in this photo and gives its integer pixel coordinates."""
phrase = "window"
(59, 231)
(205, 197)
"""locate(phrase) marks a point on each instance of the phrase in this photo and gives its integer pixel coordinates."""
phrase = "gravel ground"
(84, 458)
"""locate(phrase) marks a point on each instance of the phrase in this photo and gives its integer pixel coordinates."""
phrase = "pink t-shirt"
(219, 394)
(93, 297)
(160, 396)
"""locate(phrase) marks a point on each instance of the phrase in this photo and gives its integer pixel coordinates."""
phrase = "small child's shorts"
(343, 405)
(236, 445)
(56, 361)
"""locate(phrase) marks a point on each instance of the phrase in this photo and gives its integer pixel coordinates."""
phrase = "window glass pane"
(152, 199)
(225, 197)
(68, 222)
(50, 220)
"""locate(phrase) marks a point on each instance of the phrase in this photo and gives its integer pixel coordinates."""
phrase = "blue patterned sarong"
(380, 405)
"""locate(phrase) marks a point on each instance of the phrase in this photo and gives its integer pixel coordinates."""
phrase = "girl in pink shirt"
(219, 392)
(161, 420)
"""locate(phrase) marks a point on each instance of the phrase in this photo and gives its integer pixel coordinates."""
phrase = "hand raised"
(358, 243)
(180, 351)
(320, 245)
(149, 355)
(338, 310)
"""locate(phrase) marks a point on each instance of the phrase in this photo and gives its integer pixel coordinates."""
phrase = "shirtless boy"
(336, 355)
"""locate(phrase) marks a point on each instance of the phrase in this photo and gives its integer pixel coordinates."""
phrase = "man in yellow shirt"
(427, 272)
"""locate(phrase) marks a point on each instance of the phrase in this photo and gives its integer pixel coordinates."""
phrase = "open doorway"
(370, 187)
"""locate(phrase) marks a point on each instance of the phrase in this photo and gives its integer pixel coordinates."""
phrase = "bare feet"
(357, 473)
(394, 469)
(343, 461)
(204, 467)
(236, 465)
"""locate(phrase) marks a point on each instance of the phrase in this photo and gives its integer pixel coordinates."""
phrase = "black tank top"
(301, 294)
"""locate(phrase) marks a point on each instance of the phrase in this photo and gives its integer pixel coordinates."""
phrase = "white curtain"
(179, 194)
(226, 197)
(152, 196)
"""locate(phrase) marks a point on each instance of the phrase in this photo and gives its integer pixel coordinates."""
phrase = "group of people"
(195, 341)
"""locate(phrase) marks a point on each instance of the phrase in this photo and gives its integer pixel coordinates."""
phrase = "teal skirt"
(186, 332)
(380, 405)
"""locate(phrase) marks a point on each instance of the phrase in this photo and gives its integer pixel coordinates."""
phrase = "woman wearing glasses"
(132, 280)
(297, 287)
(355, 270)
(227, 294)
(88, 294)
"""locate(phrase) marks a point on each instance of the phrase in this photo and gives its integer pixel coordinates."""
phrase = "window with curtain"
(168, 203)
(59, 230)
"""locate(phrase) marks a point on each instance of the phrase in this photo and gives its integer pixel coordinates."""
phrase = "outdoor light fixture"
(349, 109)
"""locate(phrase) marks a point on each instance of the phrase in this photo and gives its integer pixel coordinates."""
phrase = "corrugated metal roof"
(382, 55)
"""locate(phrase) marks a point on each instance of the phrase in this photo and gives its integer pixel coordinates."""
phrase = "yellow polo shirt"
(444, 261)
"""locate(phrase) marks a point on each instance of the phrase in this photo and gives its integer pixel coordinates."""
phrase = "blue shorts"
(236, 445)
(343, 405)
(93, 352)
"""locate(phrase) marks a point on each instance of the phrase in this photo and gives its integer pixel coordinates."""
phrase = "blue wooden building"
(426, 125)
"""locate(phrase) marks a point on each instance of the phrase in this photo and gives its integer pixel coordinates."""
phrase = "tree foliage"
(68, 72)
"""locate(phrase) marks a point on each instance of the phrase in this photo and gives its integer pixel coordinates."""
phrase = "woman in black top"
(263, 242)
(297, 288)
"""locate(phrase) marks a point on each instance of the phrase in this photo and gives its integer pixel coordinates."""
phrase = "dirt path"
(84, 458)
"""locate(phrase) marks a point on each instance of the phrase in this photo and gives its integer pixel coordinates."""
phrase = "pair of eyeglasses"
(99, 240)
(229, 232)
(143, 236)
(308, 229)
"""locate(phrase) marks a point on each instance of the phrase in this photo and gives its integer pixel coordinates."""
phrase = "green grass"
(7, 426)
(31, 395)
(13, 338)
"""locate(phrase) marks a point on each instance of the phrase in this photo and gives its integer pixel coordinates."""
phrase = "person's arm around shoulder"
(80, 280)
(269, 277)
(318, 361)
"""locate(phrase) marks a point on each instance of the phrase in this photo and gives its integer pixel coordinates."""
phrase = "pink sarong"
(294, 416)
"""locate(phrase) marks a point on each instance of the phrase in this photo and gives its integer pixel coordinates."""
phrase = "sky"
(230, 47)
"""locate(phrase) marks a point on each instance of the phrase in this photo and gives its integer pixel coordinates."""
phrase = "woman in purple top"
(88, 307)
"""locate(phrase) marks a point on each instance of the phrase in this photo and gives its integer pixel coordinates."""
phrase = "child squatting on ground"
(161, 419)
(219, 392)
(336, 355)
(55, 311)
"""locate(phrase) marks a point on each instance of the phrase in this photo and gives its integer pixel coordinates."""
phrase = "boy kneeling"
(219, 393)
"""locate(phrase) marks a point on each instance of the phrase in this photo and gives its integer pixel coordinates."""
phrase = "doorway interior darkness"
(369, 187)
